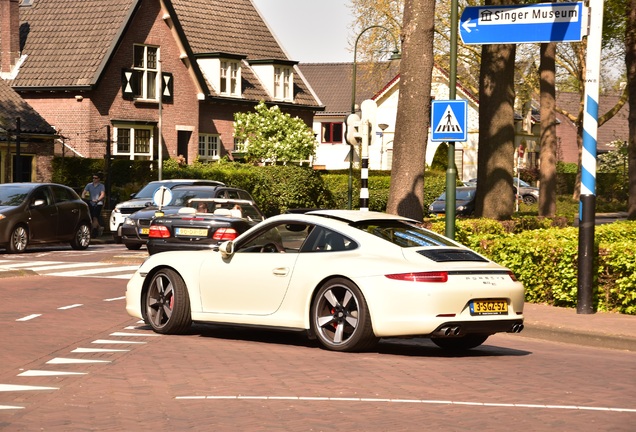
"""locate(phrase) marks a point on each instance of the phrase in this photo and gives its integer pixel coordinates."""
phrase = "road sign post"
(532, 23)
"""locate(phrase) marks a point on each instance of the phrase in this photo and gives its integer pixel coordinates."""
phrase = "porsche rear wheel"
(168, 303)
(18, 240)
(340, 317)
(460, 343)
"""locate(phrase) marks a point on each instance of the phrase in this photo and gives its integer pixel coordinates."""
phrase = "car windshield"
(521, 182)
(13, 195)
(149, 190)
(403, 234)
(460, 194)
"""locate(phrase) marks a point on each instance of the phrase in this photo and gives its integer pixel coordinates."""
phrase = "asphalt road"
(72, 359)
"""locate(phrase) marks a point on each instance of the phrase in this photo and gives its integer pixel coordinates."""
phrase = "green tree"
(273, 136)
(406, 193)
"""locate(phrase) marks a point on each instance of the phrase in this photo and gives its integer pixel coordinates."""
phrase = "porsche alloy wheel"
(18, 240)
(168, 303)
(340, 317)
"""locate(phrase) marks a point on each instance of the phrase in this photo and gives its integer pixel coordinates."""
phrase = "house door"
(26, 169)
(183, 138)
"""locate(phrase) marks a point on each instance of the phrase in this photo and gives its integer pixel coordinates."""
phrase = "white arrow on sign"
(467, 25)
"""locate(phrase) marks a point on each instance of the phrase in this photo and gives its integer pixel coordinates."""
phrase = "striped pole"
(364, 167)
(588, 161)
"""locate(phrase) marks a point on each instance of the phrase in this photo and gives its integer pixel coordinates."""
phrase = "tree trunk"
(406, 193)
(548, 155)
(495, 193)
(630, 64)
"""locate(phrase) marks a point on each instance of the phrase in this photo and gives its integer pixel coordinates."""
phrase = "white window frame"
(148, 90)
(209, 145)
(230, 78)
(283, 83)
(133, 150)
(240, 146)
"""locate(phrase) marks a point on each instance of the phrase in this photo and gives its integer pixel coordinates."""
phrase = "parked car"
(346, 277)
(134, 231)
(143, 198)
(528, 194)
(42, 213)
(204, 224)
(464, 202)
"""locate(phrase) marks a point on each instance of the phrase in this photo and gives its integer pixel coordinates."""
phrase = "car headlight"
(129, 221)
(116, 210)
(430, 208)
(2, 216)
(461, 208)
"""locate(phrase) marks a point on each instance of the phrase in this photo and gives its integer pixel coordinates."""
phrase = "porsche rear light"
(158, 231)
(512, 276)
(223, 234)
(435, 276)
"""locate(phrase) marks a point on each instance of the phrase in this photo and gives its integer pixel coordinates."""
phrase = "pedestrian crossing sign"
(449, 120)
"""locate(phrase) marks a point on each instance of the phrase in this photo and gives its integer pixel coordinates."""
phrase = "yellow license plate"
(144, 231)
(191, 231)
(489, 307)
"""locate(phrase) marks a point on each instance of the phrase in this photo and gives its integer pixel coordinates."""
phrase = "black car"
(143, 199)
(203, 225)
(42, 213)
(134, 231)
(464, 202)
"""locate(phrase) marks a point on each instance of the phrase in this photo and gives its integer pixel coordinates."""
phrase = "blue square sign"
(449, 120)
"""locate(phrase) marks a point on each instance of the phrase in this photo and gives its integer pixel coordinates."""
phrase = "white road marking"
(16, 264)
(39, 268)
(70, 306)
(29, 317)
(97, 350)
(38, 373)
(12, 387)
(134, 334)
(62, 360)
(415, 401)
(107, 341)
(9, 407)
(123, 276)
(94, 272)
(114, 299)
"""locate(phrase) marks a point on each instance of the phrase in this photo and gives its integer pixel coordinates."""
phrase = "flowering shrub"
(273, 136)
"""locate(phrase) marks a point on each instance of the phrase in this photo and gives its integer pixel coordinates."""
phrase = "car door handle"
(281, 271)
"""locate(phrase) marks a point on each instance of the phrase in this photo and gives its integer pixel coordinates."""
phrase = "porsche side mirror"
(226, 249)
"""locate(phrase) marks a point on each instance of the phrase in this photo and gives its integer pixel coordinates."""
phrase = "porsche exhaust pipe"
(516, 328)
(449, 331)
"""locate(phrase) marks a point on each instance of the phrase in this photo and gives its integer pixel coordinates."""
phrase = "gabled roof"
(13, 107)
(67, 42)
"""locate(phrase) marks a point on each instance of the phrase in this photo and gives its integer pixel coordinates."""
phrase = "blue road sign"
(449, 120)
(541, 22)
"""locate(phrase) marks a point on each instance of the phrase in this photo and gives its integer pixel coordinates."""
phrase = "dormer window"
(277, 77)
(230, 78)
(283, 78)
(146, 66)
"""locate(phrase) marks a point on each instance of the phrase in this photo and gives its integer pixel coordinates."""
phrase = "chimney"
(9, 34)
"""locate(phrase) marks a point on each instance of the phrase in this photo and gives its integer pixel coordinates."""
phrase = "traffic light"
(352, 132)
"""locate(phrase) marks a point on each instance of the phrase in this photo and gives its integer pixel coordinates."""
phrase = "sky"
(310, 31)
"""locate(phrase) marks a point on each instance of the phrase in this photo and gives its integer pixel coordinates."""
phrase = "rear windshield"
(403, 234)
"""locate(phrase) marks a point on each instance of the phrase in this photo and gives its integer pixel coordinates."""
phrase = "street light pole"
(395, 56)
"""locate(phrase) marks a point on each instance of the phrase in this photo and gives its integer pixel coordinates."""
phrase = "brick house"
(96, 69)
(32, 140)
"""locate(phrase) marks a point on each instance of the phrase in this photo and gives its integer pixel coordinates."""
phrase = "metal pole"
(108, 155)
(159, 125)
(364, 171)
(18, 157)
(451, 171)
(353, 98)
(588, 162)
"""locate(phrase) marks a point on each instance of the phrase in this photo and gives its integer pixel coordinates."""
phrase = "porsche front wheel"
(340, 317)
(168, 303)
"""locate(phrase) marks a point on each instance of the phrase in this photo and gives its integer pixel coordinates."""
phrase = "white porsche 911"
(346, 277)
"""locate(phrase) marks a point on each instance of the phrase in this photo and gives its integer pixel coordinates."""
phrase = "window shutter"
(167, 87)
(128, 84)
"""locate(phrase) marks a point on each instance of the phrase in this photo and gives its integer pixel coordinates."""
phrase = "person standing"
(95, 192)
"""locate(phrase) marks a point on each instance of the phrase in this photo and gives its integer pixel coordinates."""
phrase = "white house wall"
(335, 156)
